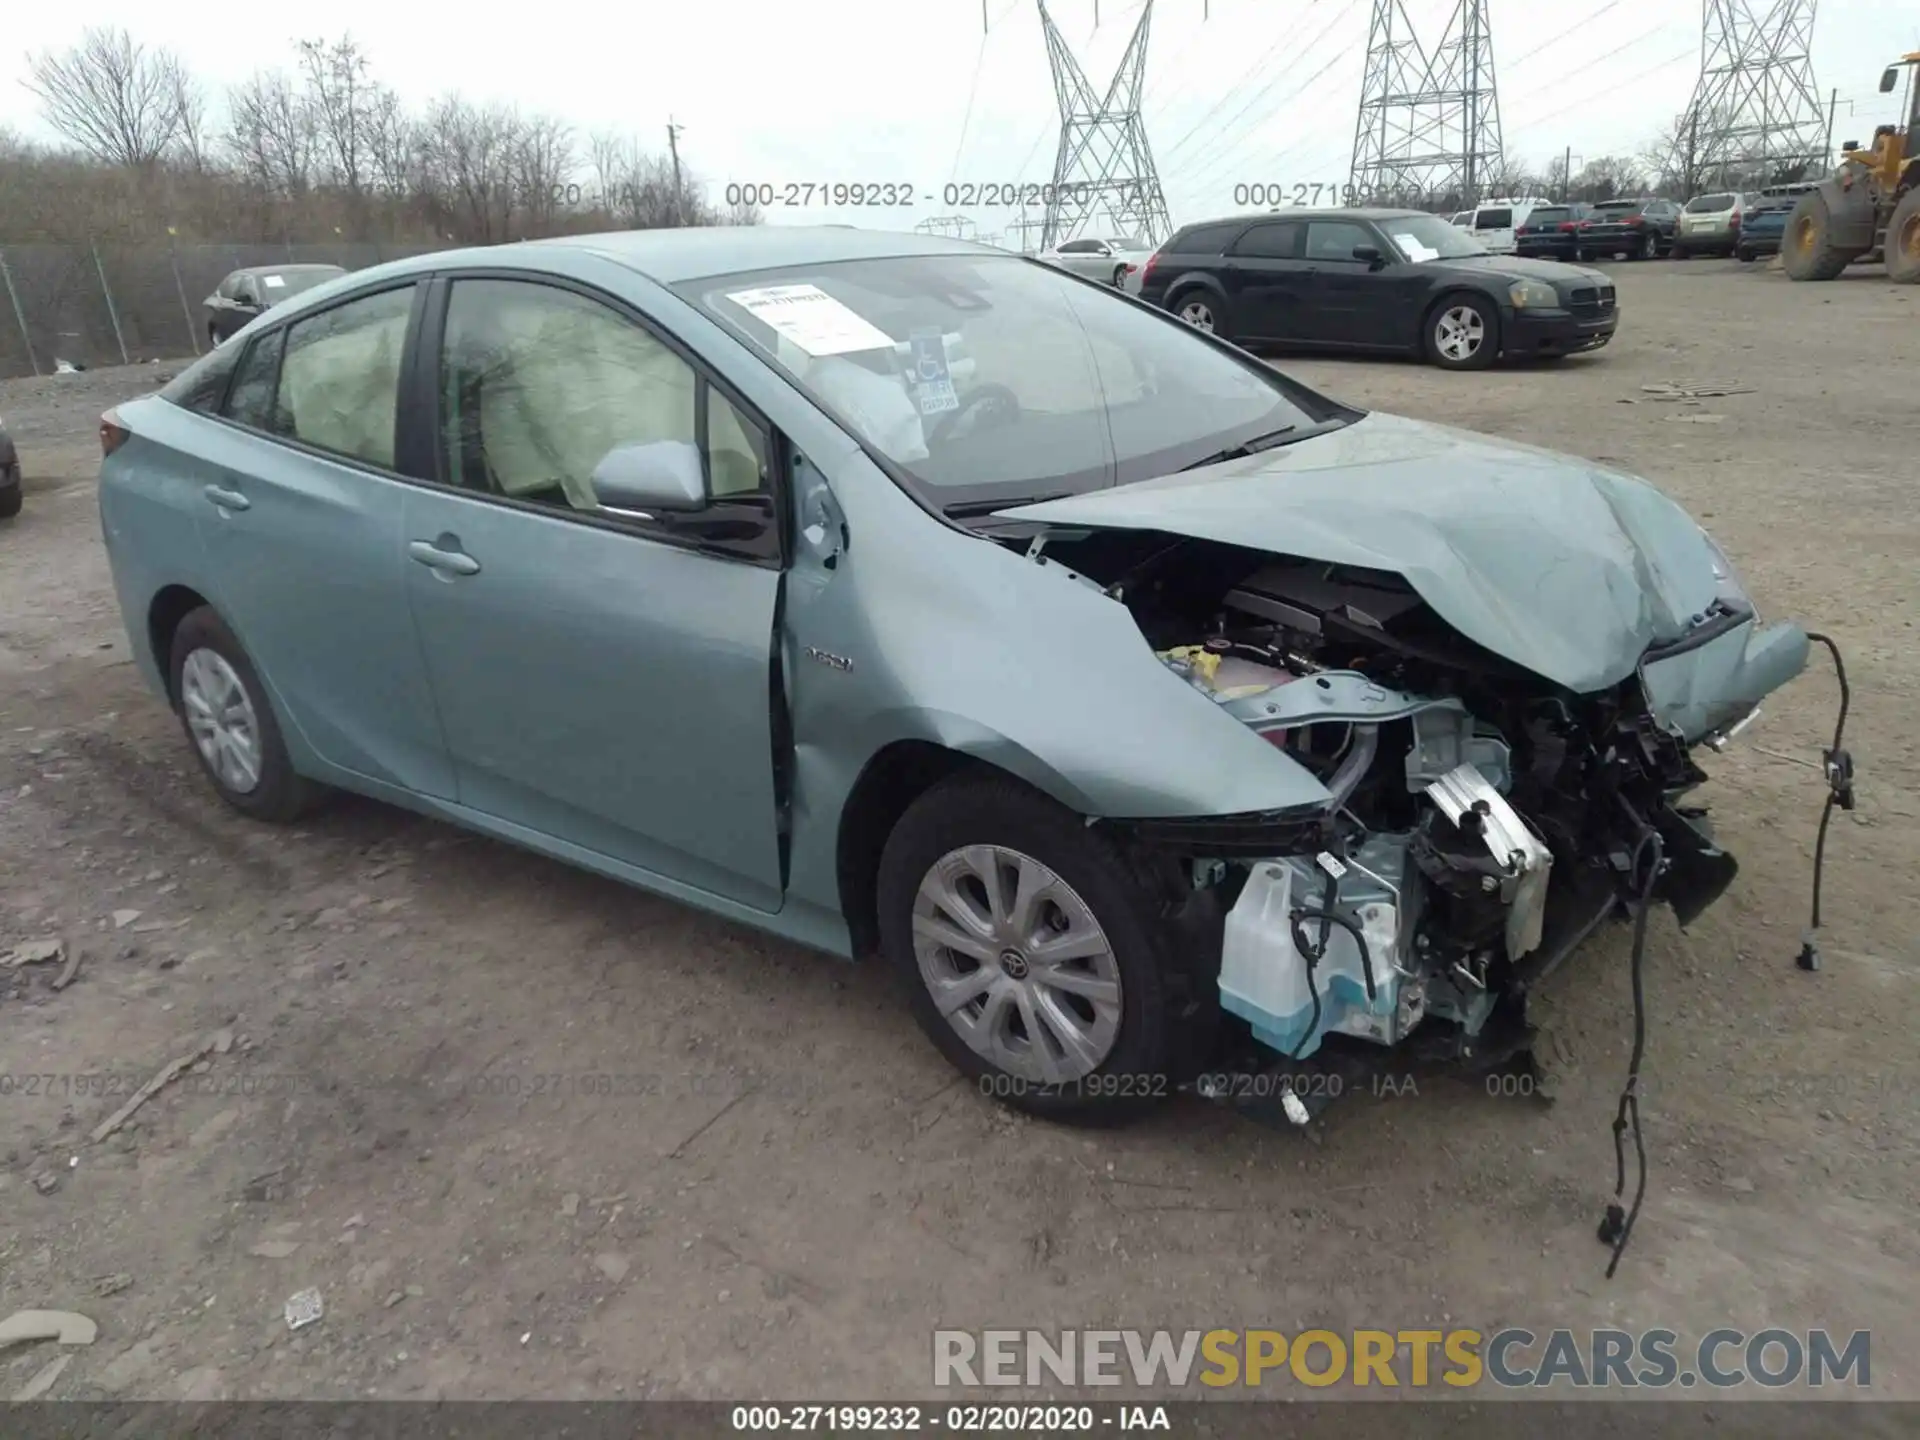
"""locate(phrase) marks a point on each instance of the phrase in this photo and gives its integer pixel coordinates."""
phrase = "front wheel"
(1119, 277)
(1033, 961)
(1463, 333)
(230, 722)
(1744, 255)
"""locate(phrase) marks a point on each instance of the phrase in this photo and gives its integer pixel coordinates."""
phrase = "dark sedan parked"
(257, 289)
(1640, 229)
(1551, 232)
(1380, 280)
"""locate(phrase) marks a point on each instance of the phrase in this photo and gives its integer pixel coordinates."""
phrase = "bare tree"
(341, 95)
(271, 134)
(1607, 178)
(543, 165)
(190, 141)
(114, 98)
(392, 145)
(466, 164)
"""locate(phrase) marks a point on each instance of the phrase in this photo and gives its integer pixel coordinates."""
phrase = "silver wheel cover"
(1198, 314)
(1017, 963)
(1459, 333)
(221, 717)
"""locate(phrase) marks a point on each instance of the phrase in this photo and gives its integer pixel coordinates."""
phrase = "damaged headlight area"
(1480, 823)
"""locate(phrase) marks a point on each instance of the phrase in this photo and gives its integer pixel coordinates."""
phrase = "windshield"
(991, 378)
(1129, 242)
(1427, 237)
(1707, 204)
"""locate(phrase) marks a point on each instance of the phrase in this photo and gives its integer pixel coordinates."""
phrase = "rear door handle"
(453, 562)
(226, 499)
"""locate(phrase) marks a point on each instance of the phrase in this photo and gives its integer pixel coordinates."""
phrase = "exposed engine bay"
(1482, 821)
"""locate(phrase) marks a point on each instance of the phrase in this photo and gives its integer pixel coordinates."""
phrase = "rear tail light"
(1146, 272)
(1570, 224)
(112, 433)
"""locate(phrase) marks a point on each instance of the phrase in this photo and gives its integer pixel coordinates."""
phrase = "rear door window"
(340, 378)
(1279, 240)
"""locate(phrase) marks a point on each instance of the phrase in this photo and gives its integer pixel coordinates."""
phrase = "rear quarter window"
(1204, 240)
(203, 384)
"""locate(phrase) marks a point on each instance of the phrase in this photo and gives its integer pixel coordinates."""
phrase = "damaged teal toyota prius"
(1166, 723)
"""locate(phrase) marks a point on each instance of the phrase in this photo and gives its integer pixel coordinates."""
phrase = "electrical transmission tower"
(1104, 165)
(1429, 124)
(1756, 117)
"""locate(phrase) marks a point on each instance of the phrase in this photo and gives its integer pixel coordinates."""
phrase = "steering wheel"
(995, 402)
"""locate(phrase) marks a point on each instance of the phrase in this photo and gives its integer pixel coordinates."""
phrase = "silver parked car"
(891, 593)
(1117, 261)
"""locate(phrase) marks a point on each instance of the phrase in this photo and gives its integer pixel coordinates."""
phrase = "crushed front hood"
(1562, 567)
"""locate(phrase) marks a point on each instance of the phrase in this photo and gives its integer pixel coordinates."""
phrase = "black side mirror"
(1889, 78)
(1850, 146)
(1371, 254)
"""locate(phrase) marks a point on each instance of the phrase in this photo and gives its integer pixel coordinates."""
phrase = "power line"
(1571, 29)
(1228, 95)
(1640, 39)
(966, 120)
(1689, 53)
(1213, 168)
(1253, 132)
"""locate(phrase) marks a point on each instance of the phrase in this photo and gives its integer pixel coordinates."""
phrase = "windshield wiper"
(1244, 448)
(962, 509)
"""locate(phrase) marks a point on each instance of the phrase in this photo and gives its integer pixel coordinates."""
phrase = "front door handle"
(226, 499)
(453, 562)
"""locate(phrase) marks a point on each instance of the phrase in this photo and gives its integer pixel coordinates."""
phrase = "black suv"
(1640, 229)
(1551, 231)
(1393, 281)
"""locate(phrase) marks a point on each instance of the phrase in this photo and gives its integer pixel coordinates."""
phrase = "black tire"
(213, 337)
(10, 501)
(1680, 252)
(1119, 277)
(1807, 251)
(1137, 1068)
(280, 795)
(1221, 323)
(1743, 255)
(1903, 241)
(1446, 306)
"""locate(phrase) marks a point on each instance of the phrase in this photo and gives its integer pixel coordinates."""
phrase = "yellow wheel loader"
(1871, 203)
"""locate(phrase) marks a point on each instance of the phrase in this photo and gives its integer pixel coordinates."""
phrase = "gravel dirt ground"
(533, 1134)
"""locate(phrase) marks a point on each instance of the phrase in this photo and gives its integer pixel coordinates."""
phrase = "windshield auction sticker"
(811, 319)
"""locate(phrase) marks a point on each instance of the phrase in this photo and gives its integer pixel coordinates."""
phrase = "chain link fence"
(102, 304)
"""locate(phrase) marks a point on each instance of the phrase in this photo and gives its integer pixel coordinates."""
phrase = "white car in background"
(1117, 261)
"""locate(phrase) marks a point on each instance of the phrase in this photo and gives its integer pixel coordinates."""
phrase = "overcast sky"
(910, 92)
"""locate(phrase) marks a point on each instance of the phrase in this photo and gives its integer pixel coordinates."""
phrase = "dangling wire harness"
(1837, 765)
(1617, 1228)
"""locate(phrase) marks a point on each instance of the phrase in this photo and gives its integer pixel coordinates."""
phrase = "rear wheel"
(1680, 252)
(1807, 251)
(11, 500)
(1033, 960)
(1903, 240)
(1744, 255)
(1202, 311)
(1119, 277)
(1462, 333)
(230, 722)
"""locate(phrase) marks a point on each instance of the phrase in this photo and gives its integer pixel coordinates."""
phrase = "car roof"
(670, 256)
(287, 269)
(1296, 212)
